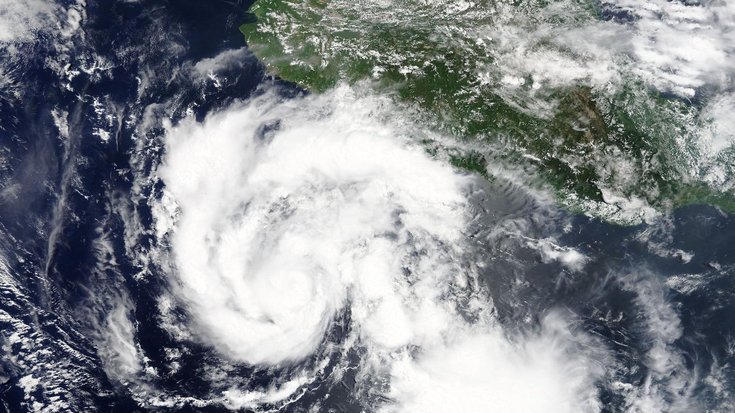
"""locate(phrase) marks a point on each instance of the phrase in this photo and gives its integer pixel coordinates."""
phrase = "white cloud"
(667, 385)
(117, 347)
(682, 47)
(487, 373)
(719, 124)
(20, 18)
(566, 256)
(672, 46)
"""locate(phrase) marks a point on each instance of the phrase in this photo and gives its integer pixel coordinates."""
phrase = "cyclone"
(287, 213)
(394, 207)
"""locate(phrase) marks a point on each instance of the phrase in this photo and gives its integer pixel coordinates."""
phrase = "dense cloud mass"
(682, 47)
(18, 19)
(673, 46)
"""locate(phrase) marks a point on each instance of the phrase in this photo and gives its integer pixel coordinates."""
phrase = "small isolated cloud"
(569, 257)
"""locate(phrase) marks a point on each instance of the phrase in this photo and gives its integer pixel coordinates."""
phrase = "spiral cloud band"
(289, 212)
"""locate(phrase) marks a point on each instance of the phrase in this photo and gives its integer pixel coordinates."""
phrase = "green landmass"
(584, 141)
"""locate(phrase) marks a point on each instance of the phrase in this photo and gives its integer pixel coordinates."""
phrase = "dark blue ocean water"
(59, 194)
